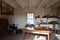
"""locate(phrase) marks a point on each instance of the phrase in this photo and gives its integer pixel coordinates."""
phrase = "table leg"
(23, 35)
(49, 36)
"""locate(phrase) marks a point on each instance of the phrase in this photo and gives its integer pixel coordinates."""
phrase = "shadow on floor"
(20, 37)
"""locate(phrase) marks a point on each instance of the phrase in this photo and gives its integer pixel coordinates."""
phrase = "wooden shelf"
(6, 9)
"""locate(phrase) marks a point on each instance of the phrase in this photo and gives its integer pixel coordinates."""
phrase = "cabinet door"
(3, 25)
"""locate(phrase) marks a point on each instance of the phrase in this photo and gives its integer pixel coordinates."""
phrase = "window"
(30, 18)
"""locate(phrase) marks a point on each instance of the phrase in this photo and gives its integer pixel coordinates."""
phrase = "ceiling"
(34, 3)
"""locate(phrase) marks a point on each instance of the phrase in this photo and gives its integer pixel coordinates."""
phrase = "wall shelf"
(6, 9)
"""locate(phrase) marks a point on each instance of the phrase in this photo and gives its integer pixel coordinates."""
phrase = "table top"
(37, 31)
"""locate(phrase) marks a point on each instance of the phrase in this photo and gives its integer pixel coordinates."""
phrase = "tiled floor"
(31, 37)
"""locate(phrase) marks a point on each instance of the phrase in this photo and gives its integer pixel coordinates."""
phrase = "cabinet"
(3, 25)
(6, 9)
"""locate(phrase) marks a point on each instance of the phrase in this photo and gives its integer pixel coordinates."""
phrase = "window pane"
(30, 18)
(30, 15)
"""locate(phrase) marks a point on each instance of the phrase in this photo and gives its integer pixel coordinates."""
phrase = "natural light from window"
(30, 18)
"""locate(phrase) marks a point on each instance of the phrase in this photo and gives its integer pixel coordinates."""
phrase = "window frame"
(30, 18)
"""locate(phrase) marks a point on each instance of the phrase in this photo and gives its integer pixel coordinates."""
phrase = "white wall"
(19, 16)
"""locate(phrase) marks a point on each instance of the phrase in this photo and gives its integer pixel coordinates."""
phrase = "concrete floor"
(31, 37)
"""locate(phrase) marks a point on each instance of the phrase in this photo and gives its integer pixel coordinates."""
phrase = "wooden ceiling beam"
(20, 3)
(41, 2)
(51, 3)
(56, 5)
(30, 6)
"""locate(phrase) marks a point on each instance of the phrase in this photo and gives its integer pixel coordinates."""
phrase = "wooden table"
(44, 32)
